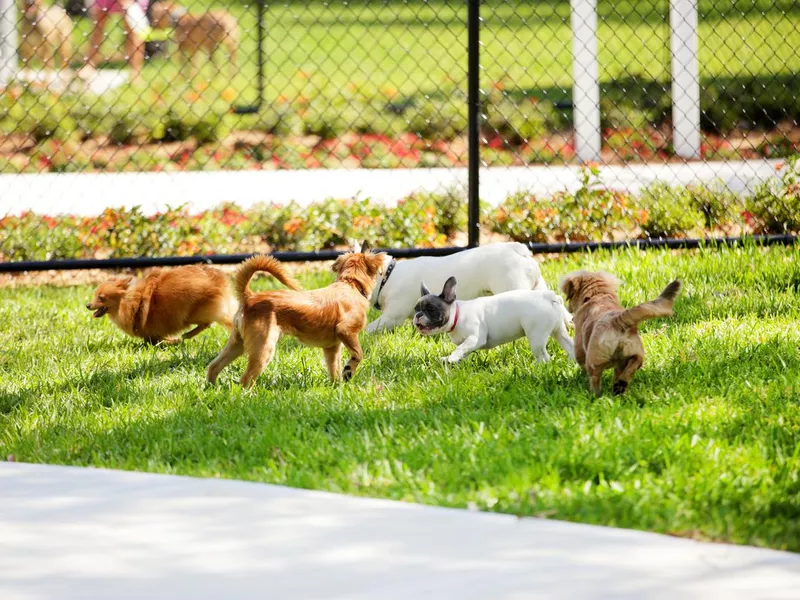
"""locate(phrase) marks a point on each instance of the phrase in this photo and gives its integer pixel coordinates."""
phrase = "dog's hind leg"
(333, 360)
(232, 350)
(624, 372)
(350, 341)
(561, 335)
(260, 348)
(198, 329)
(537, 334)
(539, 349)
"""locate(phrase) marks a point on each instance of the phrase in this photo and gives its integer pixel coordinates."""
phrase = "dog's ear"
(449, 290)
(125, 282)
(374, 262)
(337, 265)
(567, 285)
(423, 289)
(365, 247)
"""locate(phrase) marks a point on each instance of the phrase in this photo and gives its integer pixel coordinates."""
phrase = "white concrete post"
(685, 78)
(585, 88)
(8, 41)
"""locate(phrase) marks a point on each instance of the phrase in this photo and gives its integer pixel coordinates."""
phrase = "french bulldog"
(494, 320)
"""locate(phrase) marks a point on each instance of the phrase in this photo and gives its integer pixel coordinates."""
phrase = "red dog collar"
(455, 321)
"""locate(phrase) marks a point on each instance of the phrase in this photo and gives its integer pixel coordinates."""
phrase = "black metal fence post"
(254, 108)
(474, 118)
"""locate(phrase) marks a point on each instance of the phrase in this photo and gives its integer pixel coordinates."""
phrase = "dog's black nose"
(89, 306)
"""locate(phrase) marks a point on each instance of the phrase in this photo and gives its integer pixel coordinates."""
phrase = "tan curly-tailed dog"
(207, 31)
(327, 318)
(606, 335)
(166, 302)
(46, 33)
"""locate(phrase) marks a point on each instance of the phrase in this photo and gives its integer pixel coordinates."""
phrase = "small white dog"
(495, 320)
(489, 269)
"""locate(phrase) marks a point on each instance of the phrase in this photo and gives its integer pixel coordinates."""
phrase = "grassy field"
(706, 443)
(414, 47)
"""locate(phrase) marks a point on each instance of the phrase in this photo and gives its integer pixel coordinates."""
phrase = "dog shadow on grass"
(420, 393)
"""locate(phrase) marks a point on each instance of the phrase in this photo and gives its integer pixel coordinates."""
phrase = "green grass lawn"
(418, 47)
(706, 442)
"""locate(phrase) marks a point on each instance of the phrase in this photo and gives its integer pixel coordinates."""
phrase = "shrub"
(515, 123)
(60, 157)
(208, 128)
(668, 211)
(36, 237)
(523, 218)
(279, 226)
(720, 207)
(774, 208)
(45, 117)
(634, 102)
(122, 131)
(423, 219)
(438, 119)
(591, 213)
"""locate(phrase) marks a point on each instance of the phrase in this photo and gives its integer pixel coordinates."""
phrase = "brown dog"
(167, 302)
(46, 33)
(194, 32)
(606, 335)
(326, 318)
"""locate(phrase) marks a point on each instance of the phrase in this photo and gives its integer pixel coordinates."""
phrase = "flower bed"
(144, 131)
(591, 213)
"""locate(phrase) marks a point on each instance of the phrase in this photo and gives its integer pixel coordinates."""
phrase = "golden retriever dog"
(194, 32)
(166, 302)
(606, 335)
(46, 33)
(326, 318)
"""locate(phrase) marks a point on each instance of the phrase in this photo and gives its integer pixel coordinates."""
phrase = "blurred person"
(137, 28)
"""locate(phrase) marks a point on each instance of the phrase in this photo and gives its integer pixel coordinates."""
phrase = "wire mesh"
(307, 126)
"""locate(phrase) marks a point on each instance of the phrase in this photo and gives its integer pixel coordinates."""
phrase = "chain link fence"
(306, 125)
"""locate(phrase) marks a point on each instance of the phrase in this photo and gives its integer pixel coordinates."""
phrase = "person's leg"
(99, 18)
(134, 47)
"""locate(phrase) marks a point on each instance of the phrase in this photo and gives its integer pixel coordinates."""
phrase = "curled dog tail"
(660, 307)
(258, 263)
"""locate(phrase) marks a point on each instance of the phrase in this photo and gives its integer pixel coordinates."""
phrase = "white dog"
(495, 320)
(489, 269)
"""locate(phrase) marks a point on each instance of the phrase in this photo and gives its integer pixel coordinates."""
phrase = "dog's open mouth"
(424, 330)
(99, 312)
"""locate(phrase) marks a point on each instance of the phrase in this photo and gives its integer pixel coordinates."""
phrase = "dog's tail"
(561, 332)
(258, 263)
(660, 307)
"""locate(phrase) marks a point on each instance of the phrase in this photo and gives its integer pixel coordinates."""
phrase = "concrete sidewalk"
(91, 193)
(71, 533)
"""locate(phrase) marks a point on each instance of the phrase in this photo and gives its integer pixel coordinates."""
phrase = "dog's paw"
(372, 327)
(347, 373)
(620, 387)
(450, 359)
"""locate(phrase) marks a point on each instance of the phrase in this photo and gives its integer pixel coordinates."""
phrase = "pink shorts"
(113, 7)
